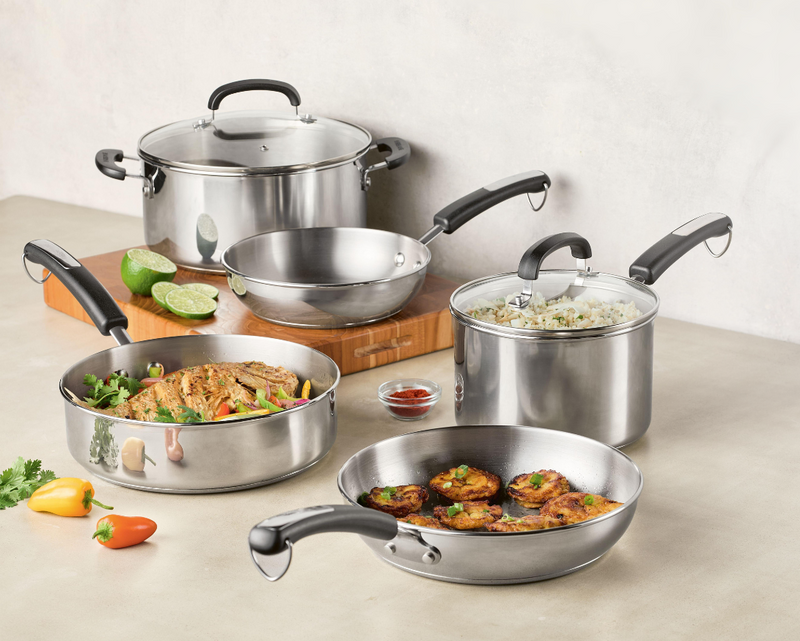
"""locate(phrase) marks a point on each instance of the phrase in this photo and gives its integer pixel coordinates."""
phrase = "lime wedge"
(190, 304)
(141, 269)
(208, 290)
(160, 290)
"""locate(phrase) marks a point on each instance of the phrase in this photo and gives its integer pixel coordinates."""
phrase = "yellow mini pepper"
(65, 497)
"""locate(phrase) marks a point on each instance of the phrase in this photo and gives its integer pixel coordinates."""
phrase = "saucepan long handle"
(92, 296)
(656, 260)
(465, 209)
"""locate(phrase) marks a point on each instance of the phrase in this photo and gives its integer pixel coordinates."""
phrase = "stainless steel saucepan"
(466, 556)
(341, 277)
(596, 381)
(198, 457)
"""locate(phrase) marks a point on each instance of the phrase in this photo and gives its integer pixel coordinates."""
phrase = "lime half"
(141, 269)
(190, 304)
(208, 290)
(160, 290)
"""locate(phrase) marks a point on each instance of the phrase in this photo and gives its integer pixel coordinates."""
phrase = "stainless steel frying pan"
(328, 277)
(211, 457)
(466, 556)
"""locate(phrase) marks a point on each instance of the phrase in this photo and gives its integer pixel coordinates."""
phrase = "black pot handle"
(398, 149)
(465, 209)
(253, 85)
(531, 261)
(272, 535)
(656, 260)
(92, 296)
(106, 161)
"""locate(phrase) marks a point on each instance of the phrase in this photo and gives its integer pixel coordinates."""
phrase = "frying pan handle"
(92, 296)
(253, 85)
(465, 209)
(272, 535)
(656, 260)
(532, 259)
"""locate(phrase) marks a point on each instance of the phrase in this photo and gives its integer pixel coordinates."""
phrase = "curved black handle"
(92, 296)
(465, 209)
(532, 259)
(656, 260)
(106, 161)
(398, 149)
(254, 84)
(271, 536)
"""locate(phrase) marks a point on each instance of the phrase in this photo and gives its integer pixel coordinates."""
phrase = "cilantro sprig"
(163, 415)
(21, 480)
(118, 389)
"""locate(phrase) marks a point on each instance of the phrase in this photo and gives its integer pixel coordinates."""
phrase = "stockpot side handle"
(106, 161)
(398, 149)
(92, 296)
(254, 84)
(465, 209)
(649, 267)
(531, 261)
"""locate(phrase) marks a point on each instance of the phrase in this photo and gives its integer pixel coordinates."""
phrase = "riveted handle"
(254, 84)
(531, 261)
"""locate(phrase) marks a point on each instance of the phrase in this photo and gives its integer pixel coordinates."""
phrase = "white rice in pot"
(563, 313)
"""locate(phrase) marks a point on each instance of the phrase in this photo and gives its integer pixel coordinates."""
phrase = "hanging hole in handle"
(727, 245)
(35, 280)
(544, 199)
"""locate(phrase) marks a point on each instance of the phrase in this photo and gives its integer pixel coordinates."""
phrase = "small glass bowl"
(409, 409)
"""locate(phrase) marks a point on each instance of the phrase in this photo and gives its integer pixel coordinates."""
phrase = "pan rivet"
(391, 547)
(399, 259)
(264, 148)
(122, 372)
(428, 558)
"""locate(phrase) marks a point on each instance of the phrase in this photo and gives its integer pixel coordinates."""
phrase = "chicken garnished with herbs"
(464, 483)
(398, 501)
(535, 489)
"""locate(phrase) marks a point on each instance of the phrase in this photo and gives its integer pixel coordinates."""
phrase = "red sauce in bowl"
(411, 398)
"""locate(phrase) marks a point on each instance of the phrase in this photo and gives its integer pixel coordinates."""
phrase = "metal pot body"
(217, 457)
(596, 382)
(507, 450)
(326, 277)
(192, 217)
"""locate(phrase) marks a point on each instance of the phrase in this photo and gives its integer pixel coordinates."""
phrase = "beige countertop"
(711, 552)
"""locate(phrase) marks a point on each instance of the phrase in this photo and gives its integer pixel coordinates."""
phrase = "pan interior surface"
(326, 256)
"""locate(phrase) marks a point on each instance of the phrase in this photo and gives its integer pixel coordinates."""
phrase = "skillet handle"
(532, 259)
(465, 209)
(92, 296)
(656, 260)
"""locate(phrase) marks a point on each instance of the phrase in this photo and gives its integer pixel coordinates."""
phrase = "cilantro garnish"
(190, 416)
(117, 391)
(164, 416)
(21, 480)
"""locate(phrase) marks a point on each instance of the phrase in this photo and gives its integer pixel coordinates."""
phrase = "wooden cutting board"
(422, 327)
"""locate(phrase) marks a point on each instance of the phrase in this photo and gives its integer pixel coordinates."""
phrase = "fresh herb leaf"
(447, 485)
(588, 500)
(507, 519)
(117, 391)
(455, 509)
(190, 416)
(362, 499)
(165, 416)
(388, 492)
(486, 510)
(21, 480)
(461, 471)
(536, 480)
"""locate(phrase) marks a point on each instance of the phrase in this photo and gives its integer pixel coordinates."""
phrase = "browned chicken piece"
(252, 372)
(206, 388)
(398, 501)
(535, 489)
(578, 506)
(524, 524)
(469, 515)
(423, 521)
(466, 483)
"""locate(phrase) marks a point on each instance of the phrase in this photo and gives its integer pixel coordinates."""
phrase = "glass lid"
(254, 142)
(563, 304)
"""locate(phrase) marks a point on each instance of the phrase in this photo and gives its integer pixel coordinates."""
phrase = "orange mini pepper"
(117, 531)
(65, 497)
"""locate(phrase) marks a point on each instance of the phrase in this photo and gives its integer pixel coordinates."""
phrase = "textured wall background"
(644, 115)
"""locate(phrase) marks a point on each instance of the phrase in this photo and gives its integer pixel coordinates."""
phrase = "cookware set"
(277, 202)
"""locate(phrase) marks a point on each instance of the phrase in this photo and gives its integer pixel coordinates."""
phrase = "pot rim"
(329, 286)
(629, 504)
(552, 334)
(201, 170)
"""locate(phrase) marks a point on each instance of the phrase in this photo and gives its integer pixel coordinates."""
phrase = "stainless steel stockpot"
(343, 277)
(478, 557)
(216, 456)
(212, 181)
(597, 382)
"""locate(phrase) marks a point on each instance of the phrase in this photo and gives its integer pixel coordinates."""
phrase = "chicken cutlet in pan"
(575, 507)
(535, 489)
(523, 524)
(469, 515)
(464, 483)
(398, 501)
(423, 521)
